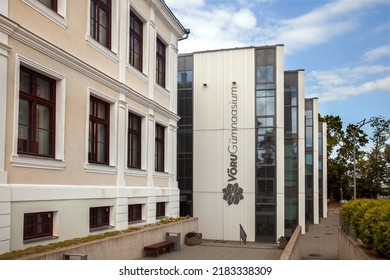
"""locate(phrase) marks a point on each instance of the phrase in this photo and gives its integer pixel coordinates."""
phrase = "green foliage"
(172, 220)
(75, 241)
(372, 166)
(370, 219)
(194, 234)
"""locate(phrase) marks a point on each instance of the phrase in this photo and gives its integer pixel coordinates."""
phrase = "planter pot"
(192, 241)
(283, 243)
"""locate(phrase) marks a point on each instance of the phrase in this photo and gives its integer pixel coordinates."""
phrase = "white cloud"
(320, 25)
(245, 19)
(233, 23)
(185, 4)
(345, 82)
(377, 53)
(217, 26)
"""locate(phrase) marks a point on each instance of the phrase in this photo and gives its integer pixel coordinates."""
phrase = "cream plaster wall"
(64, 51)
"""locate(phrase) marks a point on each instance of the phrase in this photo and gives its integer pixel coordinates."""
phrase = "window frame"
(131, 132)
(33, 102)
(53, 5)
(134, 35)
(160, 209)
(36, 224)
(94, 217)
(160, 63)
(95, 120)
(159, 152)
(95, 22)
(134, 213)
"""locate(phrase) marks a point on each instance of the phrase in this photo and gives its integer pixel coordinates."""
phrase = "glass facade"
(265, 197)
(185, 134)
(290, 151)
(309, 171)
(320, 170)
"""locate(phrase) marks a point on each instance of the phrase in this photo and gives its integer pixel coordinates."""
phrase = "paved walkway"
(221, 250)
(319, 243)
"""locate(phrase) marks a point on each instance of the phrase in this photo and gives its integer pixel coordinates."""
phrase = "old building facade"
(88, 117)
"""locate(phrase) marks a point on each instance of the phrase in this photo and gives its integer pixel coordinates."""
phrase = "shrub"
(370, 219)
(194, 234)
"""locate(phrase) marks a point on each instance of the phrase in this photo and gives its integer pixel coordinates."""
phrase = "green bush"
(370, 219)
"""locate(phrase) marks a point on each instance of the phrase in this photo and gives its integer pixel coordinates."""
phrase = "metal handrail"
(243, 234)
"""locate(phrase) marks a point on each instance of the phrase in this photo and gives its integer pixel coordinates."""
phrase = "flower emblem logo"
(232, 194)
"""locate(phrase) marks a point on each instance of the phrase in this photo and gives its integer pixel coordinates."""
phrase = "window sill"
(102, 49)
(50, 14)
(137, 73)
(100, 228)
(28, 241)
(37, 162)
(139, 222)
(100, 168)
(162, 90)
(160, 174)
(136, 172)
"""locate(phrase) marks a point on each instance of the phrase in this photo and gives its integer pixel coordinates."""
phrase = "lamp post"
(360, 124)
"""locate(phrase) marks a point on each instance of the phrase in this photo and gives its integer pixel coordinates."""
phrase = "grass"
(75, 241)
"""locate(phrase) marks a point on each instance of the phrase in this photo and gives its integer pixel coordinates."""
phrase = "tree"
(375, 166)
(372, 166)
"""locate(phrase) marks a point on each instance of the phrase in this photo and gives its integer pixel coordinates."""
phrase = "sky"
(343, 45)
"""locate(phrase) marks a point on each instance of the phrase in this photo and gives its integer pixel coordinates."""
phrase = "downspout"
(187, 32)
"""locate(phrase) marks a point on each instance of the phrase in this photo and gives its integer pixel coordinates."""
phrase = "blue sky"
(343, 45)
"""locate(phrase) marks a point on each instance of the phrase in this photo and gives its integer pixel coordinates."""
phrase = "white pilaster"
(151, 127)
(123, 39)
(4, 49)
(325, 170)
(315, 163)
(151, 29)
(121, 141)
(4, 7)
(121, 219)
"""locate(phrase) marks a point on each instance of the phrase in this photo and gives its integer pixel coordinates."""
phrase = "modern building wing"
(88, 117)
(245, 142)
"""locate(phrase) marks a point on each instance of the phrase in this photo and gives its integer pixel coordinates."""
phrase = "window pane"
(23, 128)
(43, 89)
(264, 74)
(24, 85)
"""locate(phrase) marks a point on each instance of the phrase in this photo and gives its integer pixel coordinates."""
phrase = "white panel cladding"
(224, 139)
(315, 162)
(279, 140)
(301, 150)
(325, 170)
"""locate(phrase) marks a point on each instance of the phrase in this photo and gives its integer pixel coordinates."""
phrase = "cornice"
(24, 36)
(161, 8)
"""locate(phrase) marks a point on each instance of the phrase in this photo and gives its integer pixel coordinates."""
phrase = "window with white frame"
(39, 111)
(101, 133)
(37, 225)
(160, 63)
(136, 42)
(36, 123)
(159, 158)
(103, 24)
(100, 21)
